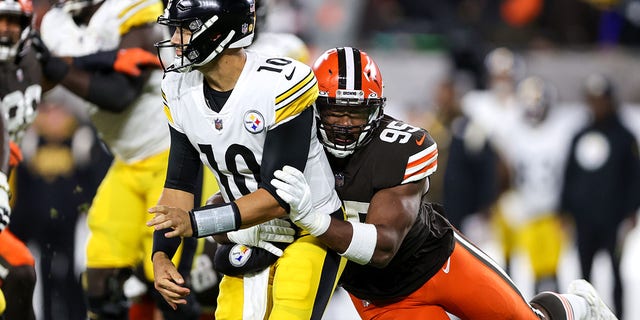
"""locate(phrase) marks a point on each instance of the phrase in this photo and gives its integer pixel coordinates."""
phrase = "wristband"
(214, 219)
(363, 243)
(167, 245)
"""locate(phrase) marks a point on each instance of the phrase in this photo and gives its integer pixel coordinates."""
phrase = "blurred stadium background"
(417, 43)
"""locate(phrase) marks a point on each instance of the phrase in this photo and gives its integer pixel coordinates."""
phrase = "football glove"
(5, 209)
(129, 61)
(292, 187)
(276, 230)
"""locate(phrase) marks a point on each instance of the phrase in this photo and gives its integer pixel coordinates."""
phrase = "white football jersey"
(139, 131)
(268, 93)
(281, 45)
(491, 114)
(537, 156)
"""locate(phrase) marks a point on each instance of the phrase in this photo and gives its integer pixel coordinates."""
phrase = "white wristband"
(363, 243)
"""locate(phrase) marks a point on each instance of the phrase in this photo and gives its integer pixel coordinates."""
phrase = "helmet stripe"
(357, 70)
(349, 69)
(342, 69)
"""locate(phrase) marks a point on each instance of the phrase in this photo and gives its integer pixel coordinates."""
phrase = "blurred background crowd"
(533, 104)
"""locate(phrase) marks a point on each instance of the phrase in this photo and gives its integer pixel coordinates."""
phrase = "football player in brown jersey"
(405, 260)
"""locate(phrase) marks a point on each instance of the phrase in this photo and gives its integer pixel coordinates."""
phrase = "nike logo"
(446, 268)
(421, 140)
(291, 74)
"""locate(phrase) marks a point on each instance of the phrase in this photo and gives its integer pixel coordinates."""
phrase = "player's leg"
(471, 285)
(542, 240)
(17, 277)
(306, 276)
(581, 303)
(113, 249)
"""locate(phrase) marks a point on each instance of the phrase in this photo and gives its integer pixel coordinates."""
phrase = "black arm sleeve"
(287, 144)
(164, 244)
(184, 163)
(113, 91)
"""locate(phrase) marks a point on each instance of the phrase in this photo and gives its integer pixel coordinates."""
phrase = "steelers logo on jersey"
(239, 255)
(253, 121)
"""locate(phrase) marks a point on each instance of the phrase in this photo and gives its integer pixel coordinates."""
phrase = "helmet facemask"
(210, 34)
(342, 140)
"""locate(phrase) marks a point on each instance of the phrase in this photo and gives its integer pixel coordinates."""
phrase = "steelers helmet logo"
(253, 121)
(239, 255)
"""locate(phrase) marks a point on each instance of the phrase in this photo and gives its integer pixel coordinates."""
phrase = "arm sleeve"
(184, 163)
(113, 91)
(287, 144)
(164, 244)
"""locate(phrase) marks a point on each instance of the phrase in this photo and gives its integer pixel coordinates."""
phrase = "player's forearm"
(258, 207)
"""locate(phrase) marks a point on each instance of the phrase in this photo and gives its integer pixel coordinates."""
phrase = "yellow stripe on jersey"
(297, 99)
(165, 105)
(141, 13)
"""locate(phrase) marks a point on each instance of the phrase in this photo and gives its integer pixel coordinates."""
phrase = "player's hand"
(293, 188)
(168, 281)
(276, 230)
(5, 209)
(130, 60)
(171, 217)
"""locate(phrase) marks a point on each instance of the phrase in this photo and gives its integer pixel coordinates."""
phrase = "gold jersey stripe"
(140, 16)
(303, 83)
(298, 105)
(167, 112)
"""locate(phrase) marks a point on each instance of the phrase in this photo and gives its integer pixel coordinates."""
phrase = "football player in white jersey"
(243, 115)
(535, 155)
(126, 110)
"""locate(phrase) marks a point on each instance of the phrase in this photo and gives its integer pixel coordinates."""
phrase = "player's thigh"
(542, 240)
(115, 219)
(305, 278)
(400, 310)
(472, 286)
(230, 299)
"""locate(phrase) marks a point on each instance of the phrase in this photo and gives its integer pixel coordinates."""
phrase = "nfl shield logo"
(217, 123)
(245, 28)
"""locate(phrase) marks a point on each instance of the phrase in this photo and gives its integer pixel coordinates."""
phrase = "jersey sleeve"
(168, 106)
(402, 154)
(296, 91)
(138, 13)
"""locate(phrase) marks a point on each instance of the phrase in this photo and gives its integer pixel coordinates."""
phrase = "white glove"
(5, 209)
(292, 187)
(276, 230)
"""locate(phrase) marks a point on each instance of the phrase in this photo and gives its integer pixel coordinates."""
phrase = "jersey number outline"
(397, 131)
(19, 108)
(230, 156)
(277, 62)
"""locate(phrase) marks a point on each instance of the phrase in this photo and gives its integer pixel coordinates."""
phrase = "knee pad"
(551, 305)
(105, 294)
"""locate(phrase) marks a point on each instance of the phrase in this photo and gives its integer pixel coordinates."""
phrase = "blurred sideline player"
(495, 110)
(126, 111)
(20, 92)
(405, 260)
(535, 152)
